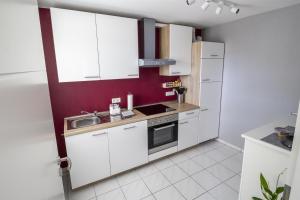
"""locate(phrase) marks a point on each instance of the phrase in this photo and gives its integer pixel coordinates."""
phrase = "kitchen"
(142, 106)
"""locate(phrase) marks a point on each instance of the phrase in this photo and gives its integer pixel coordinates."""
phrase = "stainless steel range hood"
(148, 46)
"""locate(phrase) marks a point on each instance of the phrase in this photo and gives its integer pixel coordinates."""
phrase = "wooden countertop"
(137, 117)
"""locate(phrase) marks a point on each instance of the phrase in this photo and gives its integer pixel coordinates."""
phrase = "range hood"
(148, 46)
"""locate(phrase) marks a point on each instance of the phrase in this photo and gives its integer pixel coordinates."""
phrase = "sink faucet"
(87, 113)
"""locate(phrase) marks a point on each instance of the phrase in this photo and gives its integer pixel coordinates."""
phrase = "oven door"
(162, 136)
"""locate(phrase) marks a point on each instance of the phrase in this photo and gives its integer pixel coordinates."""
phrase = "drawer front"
(212, 50)
(189, 114)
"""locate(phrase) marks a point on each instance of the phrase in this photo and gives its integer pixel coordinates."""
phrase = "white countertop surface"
(257, 134)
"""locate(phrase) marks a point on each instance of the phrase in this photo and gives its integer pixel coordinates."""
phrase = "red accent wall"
(68, 99)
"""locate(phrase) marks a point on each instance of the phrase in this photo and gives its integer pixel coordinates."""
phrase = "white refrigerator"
(28, 152)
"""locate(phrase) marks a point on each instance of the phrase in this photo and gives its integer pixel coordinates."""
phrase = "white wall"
(261, 70)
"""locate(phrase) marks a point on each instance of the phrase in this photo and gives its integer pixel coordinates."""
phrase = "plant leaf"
(279, 190)
(256, 198)
(263, 182)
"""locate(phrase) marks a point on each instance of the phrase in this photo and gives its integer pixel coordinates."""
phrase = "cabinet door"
(128, 146)
(188, 133)
(118, 47)
(75, 42)
(21, 47)
(211, 70)
(181, 49)
(90, 157)
(210, 100)
(212, 50)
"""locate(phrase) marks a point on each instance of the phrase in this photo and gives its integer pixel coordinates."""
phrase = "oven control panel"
(162, 120)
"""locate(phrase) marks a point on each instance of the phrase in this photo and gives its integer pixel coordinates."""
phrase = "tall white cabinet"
(205, 86)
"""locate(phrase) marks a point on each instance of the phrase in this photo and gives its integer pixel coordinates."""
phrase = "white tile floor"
(209, 171)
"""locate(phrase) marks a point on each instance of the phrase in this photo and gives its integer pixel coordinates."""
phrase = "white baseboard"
(230, 145)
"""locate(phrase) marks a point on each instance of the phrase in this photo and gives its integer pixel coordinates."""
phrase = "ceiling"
(171, 11)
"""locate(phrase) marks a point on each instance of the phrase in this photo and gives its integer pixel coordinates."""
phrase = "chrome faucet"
(88, 113)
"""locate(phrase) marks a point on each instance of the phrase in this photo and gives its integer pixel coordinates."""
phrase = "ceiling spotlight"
(205, 5)
(190, 2)
(219, 8)
(234, 9)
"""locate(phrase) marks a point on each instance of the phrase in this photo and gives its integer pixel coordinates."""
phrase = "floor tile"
(174, 173)
(112, 195)
(220, 172)
(228, 151)
(156, 182)
(83, 193)
(215, 144)
(127, 177)
(163, 163)
(204, 161)
(234, 183)
(233, 163)
(190, 167)
(169, 193)
(203, 148)
(106, 186)
(223, 192)
(192, 152)
(147, 170)
(217, 155)
(205, 196)
(189, 188)
(206, 180)
(151, 197)
(178, 158)
(136, 190)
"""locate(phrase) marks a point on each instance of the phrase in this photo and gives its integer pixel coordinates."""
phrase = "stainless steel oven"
(162, 133)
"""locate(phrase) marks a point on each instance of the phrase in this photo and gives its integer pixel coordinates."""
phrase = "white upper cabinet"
(212, 50)
(118, 47)
(128, 146)
(21, 47)
(75, 42)
(91, 46)
(90, 157)
(211, 70)
(176, 43)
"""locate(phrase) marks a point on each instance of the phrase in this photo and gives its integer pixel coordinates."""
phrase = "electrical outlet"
(170, 93)
(116, 100)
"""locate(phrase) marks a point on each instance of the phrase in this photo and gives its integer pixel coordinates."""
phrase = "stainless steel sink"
(87, 121)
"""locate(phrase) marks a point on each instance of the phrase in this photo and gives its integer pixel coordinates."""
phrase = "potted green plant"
(266, 191)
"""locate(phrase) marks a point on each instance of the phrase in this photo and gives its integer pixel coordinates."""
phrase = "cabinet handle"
(92, 77)
(214, 55)
(175, 72)
(132, 75)
(206, 79)
(184, 123)
(131, 127)
(190, 113)
(97, 134)
(164, 127)
(202, 110)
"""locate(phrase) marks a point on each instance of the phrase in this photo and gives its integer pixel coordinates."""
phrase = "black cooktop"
(154, 109)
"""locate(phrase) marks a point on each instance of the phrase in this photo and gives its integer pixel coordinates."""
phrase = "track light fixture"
(205, 5)
(220, 5)
(219, 8)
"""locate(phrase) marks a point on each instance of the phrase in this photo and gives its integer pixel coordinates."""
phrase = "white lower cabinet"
(209, 124)
(188, 132)
(188, 129)
(128, 146)
(90, 157)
